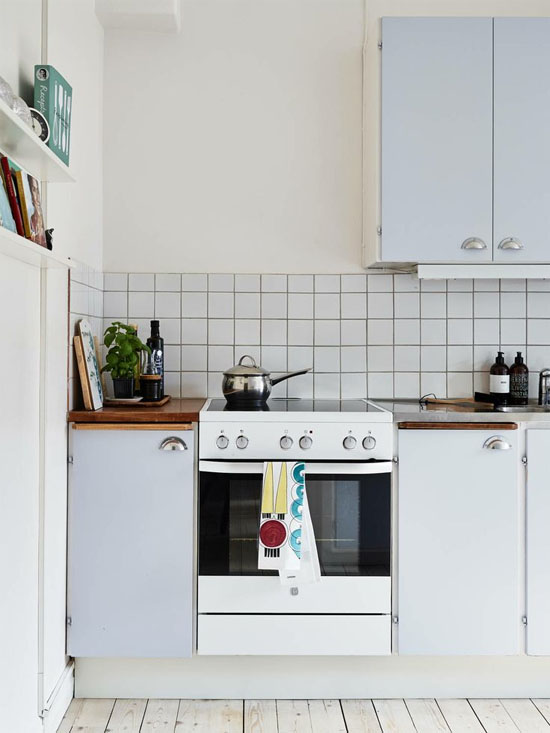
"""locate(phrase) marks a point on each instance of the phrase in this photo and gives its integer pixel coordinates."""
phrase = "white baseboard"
(313, 677)
(61, 699)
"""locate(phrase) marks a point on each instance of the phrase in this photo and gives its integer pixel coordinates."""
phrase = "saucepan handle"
(290, 374)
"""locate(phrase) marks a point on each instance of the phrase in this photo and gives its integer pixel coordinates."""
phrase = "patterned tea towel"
(286, 537)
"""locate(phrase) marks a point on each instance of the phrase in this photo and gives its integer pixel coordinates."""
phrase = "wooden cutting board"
(132, 403)
(458, 404)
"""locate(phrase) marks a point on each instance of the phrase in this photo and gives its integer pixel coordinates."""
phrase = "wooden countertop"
(175, 411)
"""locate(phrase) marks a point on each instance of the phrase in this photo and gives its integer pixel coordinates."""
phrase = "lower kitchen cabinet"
(538, 542)
(459, 542)
(131, 542)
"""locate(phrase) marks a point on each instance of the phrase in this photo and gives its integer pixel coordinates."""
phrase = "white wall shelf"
(19, 248)
(20, 143)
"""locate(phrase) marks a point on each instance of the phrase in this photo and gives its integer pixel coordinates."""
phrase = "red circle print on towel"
(273, 533)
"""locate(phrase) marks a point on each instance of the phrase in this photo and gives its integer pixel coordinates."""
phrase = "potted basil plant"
(123, 357)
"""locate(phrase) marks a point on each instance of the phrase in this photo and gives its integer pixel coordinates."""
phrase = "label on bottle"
(519, 387)
(499, 383)
(158, 358)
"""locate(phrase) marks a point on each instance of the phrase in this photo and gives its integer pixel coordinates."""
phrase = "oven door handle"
(311, 468)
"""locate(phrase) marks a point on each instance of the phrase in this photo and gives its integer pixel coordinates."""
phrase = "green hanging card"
(53, 97)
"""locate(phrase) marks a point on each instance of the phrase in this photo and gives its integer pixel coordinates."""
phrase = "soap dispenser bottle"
(519, 381)
(499, 380)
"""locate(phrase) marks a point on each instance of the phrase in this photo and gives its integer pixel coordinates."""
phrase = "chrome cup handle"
(172, 443)
(496, 442)
(473, 243)
(510, 243)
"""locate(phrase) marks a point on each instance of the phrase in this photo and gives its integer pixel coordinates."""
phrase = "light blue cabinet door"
(522, 140)
(437, 120)
(538, 542)
(458, 543)
(130, 573)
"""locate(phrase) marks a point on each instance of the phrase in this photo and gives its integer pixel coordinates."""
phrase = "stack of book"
(20, 204)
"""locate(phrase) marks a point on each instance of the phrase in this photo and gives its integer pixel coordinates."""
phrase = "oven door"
(350, 506)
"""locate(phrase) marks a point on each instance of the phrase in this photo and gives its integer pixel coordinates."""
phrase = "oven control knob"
(286, 442)
(242, 441)
(369, 443)
(222, 441)
(349, 442)
(305, 442)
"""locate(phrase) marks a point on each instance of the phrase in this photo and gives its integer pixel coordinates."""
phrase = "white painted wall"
(21, 43)
(75, 47)
(235, 146)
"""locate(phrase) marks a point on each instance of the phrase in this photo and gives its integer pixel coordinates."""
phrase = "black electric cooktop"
(281, 404)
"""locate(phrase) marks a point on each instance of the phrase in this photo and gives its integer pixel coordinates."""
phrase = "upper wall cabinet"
(465, 151)
(521, 140)
(437, 122)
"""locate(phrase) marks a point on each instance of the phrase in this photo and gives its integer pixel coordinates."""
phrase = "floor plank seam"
(477, 716)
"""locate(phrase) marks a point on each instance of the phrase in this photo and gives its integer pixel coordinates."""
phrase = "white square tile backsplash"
(221, 305)
(353, 305)
(168, 282)
(327, 305)
(327, 283)
(167, 305)
(140, 304)
(141, 282)
(300, 305)
(406, 305)
(274, 305)
(300, 283)
(247, 283)
(379, 335)
(353, 333)
(194, 283)
(247, 305)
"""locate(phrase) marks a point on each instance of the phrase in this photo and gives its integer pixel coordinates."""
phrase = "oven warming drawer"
(294, 635)
(266, 594)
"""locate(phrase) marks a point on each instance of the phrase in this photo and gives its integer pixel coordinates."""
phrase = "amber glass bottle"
(499, 380)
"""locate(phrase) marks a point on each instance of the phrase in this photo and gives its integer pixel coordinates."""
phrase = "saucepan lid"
(246, 370)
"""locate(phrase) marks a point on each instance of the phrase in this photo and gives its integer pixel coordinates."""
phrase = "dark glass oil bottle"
(156, 343)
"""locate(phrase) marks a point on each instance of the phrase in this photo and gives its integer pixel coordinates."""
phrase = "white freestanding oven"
(347, 450)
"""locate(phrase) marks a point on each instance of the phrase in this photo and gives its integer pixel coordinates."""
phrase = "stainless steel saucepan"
(249, 384)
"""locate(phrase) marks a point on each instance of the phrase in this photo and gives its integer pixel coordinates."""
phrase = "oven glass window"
(351, 517)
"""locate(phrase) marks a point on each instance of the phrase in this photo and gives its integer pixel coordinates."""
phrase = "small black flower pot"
(124, 388)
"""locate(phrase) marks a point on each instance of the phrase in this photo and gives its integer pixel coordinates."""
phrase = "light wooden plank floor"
(307, 716)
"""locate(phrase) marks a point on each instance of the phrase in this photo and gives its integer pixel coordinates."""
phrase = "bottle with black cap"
(519, 381)
(156, 343)
(499, 380)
